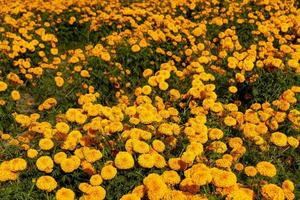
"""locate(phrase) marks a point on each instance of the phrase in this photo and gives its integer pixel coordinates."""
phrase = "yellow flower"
(229, 121)
(146, 160)
(152, 81)
(288, 185)
(130, 197)
(139, 191)
(188, 157)
(47, 183)
(223, 178)
(272, 192)
(158, 146)
(163, 85)
(175, 163)
(135, 48)
(159, 160)
(215, 134)
(96, 193)
(201, 177)
(241, 193)
(124, 160)
(223, 163)
(146, 90)
(105, 56)
(68, 165)
(84, 187)
(59, 81)
(96, 180)
(15, 95)
(108, 172)
(91, 155)
(54, 51)
(218, 147)
(62, 127)
(59, 157)
(240, 77)
(72, 20)
(175, 94)
(171, 177)
(140, 146)
(45, 163)
(188, 52)
(199, 31)
(293, 142)
(156, 187)
(17, 164)
(7, 175)
(266, 169)
(147, 72)
(74, 135)
(3, 86)
(46, 144)
(250, 171)
(84, 73)
(195, 147)
(233, 89)
(32, 153)
(279, 139)
(65, 194)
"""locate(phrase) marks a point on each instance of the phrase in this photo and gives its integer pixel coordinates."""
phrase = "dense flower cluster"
(130, 100)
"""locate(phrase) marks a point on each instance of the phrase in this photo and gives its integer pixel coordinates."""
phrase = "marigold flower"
(266, 169)
(59, 157)
(223, 178)
(95, 180)
(3, 86)
(293, 142)
(229, 121)
(272, 191)
(147, 73)
(146, 160)
(171, 177)
(124, 160)
(62, 127)
(32, 153)
(130, 197)
(135, 48)
(17, 164)
(108, 172)
(279, 139)
(105, 56)
(215, 134)
(91, 155)
(45, 163)
(288, 185)
(163, 85)
(98, 191)
(140, 146)
(233, 89)
(65, 194)
(46, 144)
(59, 81)
(47, 183)
(158, 146)
(159, 160)
(146, 90)
(218, 147)
(250, 171)
(15, 95)
(156, 187)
